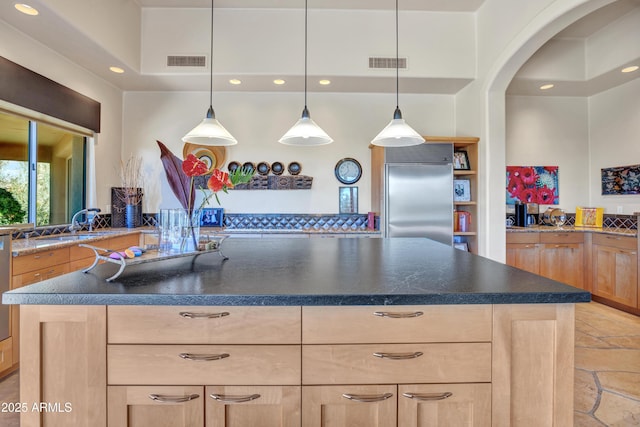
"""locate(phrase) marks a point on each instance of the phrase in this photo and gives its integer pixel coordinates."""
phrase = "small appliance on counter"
(554, 216)
(521, 215)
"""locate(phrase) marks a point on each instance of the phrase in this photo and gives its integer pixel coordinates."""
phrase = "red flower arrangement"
(532, 184)
(181, 176)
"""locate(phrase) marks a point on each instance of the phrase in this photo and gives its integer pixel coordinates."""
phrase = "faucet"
(90, 216)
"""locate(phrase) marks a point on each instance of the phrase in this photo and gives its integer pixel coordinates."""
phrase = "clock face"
(348, 171)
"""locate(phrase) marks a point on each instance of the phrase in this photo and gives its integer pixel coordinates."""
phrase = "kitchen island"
(301, 332)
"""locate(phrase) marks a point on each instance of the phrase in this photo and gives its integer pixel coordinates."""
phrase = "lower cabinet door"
(348, 405)
(152, 406)
(242, 406)
(444, 405)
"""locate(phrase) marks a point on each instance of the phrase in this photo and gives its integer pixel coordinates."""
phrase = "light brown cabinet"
(556, 255)
(562, 258)
(43, 265)
(245, 361)
(615, 269)
(411, 366)
(604, 264)
(138, 406)
(396, 366)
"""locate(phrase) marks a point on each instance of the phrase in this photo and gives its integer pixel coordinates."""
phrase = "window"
(50, 190)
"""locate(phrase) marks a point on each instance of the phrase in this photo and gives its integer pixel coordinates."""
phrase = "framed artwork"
(621, 180)
(532, 184)
(348, 200)
(461, 160)
(461, 190)
(211, 217)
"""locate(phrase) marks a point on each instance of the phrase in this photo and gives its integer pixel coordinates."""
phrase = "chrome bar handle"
(203, 357)
(223, 398)
(397, 315)
(398, 356)
(173, 399)
(367, 398)
(428, 396)
(191, 315)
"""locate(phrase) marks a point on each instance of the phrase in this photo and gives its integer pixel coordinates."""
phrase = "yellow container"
(589, 217)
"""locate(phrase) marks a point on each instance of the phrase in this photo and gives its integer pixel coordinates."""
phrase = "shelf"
(461, 172)
(464, 233)
(471, 203)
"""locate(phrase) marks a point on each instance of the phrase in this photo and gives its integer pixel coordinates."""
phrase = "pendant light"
(305, 132)
(397, 133)
(210, 131)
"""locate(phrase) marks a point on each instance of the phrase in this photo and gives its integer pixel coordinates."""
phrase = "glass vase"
(178, 231)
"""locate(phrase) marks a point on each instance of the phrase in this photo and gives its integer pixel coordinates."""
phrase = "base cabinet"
(615, 269)
(516, 368)
(426, 405)
(549, 254)
(349, 405)
(404, 405)
(199, 406)
(152, 406)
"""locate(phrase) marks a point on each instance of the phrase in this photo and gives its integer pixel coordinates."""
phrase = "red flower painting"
(532, 184)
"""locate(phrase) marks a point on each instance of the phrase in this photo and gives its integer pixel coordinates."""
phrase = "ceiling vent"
(186, 61)
(376, 62)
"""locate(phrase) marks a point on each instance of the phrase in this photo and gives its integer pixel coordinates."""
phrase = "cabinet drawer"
(396, 363)
(396, 324)
(561, 237)
(39, 260)
(523, 237)
(204, 325)
(621, 242)
(39, 275)
(203, 364)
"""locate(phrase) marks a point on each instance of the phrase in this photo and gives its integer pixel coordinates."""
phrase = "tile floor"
(607, 376)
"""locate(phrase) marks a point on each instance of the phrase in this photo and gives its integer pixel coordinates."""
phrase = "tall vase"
(191, 231)
(133, 215)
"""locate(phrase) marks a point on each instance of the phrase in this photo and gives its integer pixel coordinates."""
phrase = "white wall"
(258, 120)
(614, 129)
(551, 131)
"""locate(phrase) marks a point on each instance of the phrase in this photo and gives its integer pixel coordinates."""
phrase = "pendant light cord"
(305, 52)
(397, 64)
(211, 61)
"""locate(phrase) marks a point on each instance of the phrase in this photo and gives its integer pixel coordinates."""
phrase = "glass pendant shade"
(305, 132)
(398, 133)
(210, 132)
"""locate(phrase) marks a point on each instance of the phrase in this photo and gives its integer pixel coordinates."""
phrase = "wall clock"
(348, 171)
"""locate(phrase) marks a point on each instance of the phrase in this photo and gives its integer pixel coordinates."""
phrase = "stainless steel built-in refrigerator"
(418, 192)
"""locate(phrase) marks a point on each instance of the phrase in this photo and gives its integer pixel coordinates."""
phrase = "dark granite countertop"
(307, 272)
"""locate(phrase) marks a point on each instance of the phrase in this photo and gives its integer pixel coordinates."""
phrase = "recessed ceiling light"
(278, 82)
(26, 9)
(325, 82)
(547, 86)
(117, 70)
(630, 69)
(235, 81)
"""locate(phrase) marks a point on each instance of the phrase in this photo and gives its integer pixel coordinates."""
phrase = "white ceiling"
(56, 32)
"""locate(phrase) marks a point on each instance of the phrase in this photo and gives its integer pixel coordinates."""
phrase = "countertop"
(572, 229)
(399, 271)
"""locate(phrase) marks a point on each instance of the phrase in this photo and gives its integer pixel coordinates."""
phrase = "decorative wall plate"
(263, 168)
(214, 157)
(294, 168)
(232, 166)
(249, 166)
(277, 168)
